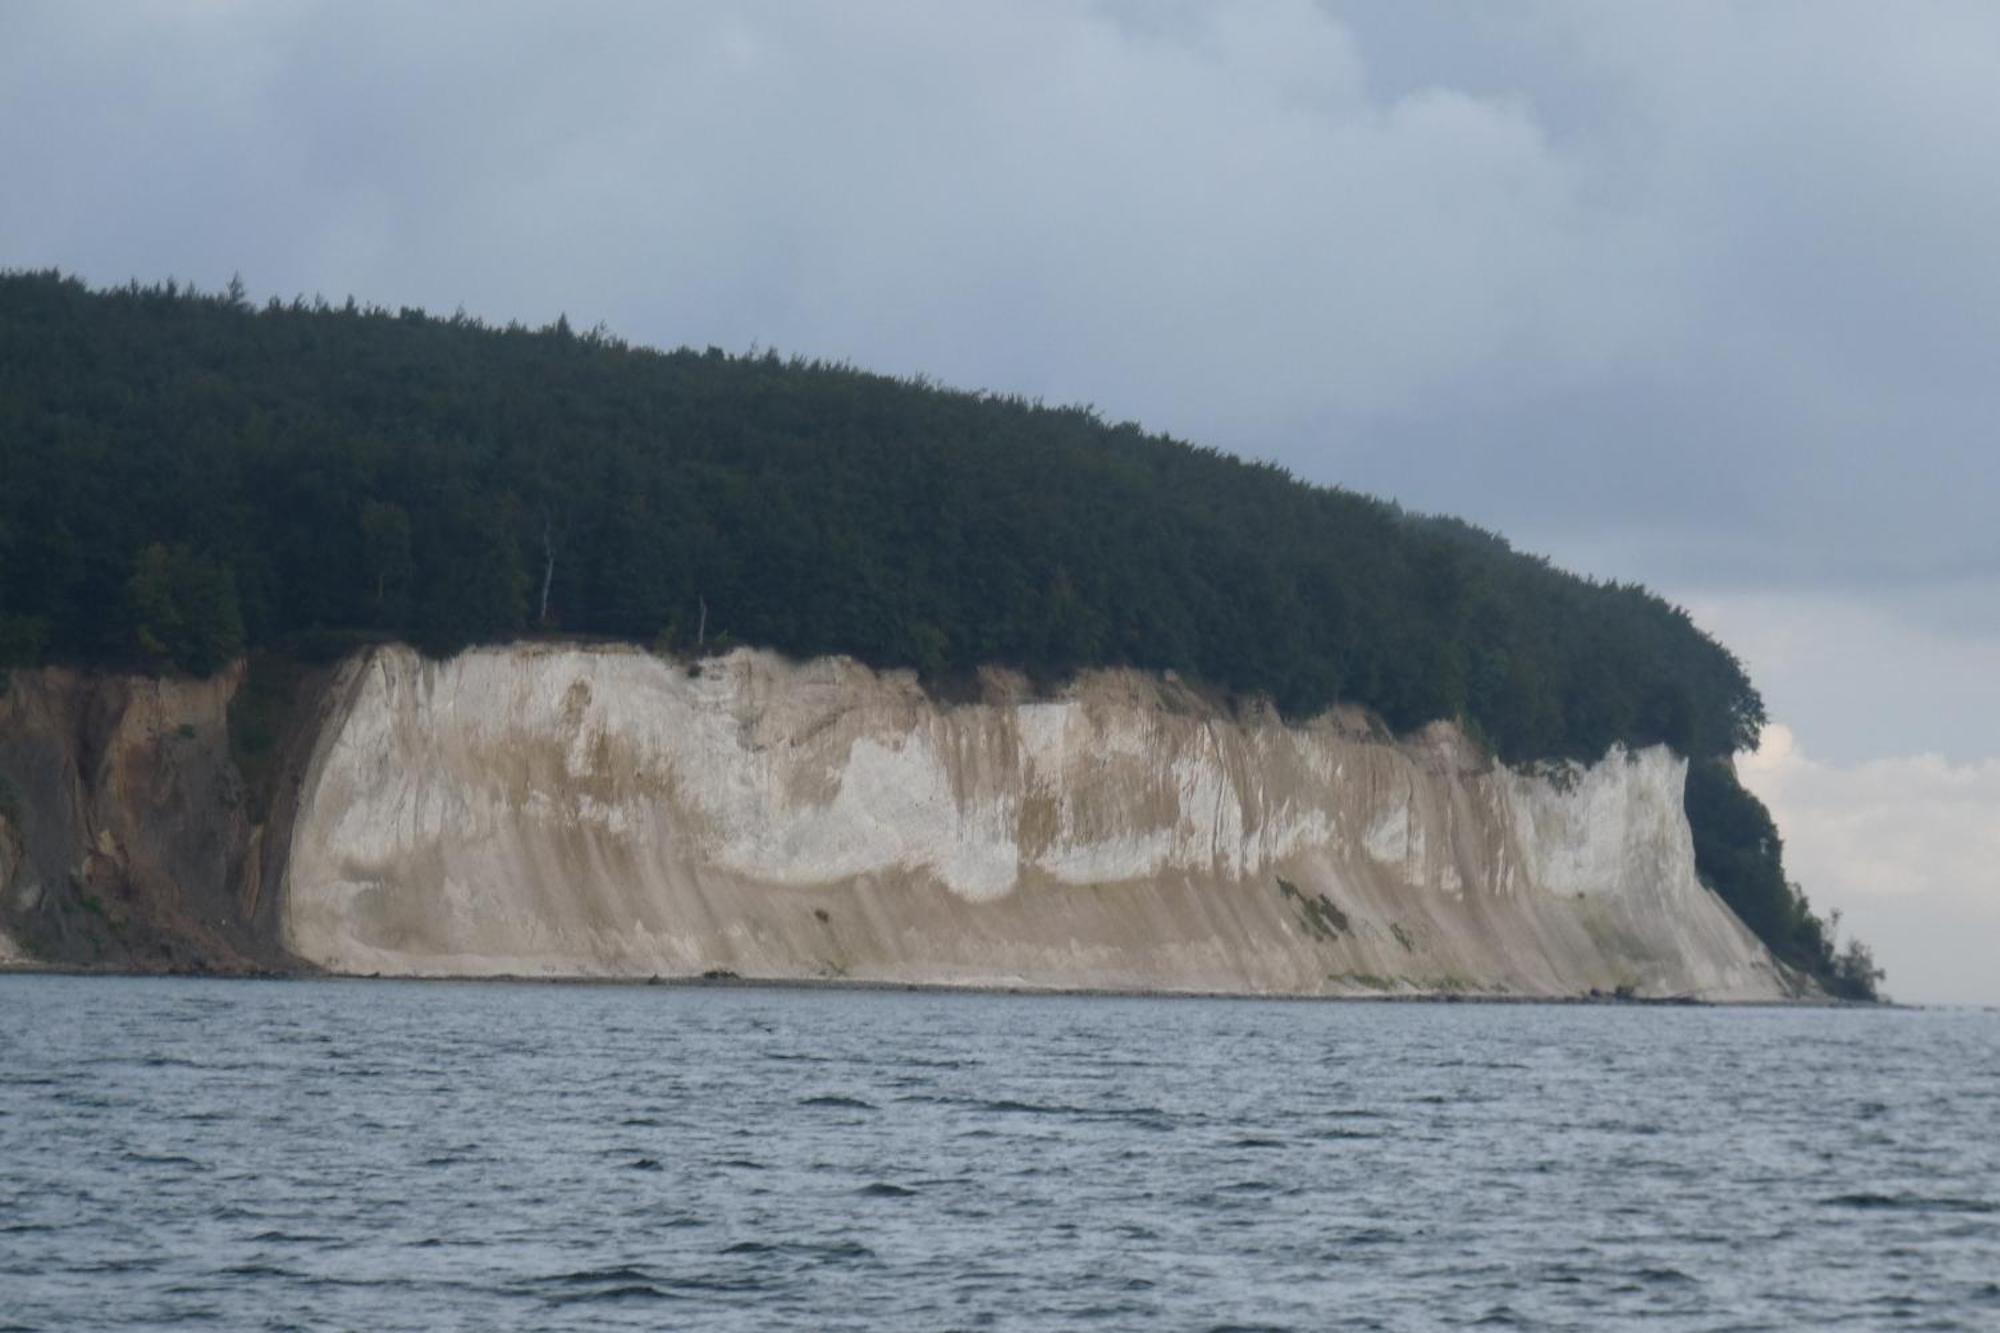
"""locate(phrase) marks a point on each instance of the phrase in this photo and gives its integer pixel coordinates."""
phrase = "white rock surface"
(603, 812)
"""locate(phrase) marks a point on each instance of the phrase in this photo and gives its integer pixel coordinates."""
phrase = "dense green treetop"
(184, 473)
(183, 477)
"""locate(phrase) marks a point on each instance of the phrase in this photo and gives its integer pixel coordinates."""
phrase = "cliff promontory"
(212, 516)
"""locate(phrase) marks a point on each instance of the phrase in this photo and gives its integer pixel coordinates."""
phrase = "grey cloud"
(1906, 848)
(1859, 677)
(1696, 293)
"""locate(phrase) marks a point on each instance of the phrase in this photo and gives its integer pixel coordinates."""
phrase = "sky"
(1700, 294)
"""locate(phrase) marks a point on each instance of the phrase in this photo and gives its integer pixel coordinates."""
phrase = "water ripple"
(330, 1154)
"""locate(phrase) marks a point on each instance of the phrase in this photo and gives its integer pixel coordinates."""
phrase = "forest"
(185, 478)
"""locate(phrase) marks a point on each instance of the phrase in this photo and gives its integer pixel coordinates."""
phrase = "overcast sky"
(1705, 295)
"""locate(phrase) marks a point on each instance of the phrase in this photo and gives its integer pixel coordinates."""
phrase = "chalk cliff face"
(603, 812)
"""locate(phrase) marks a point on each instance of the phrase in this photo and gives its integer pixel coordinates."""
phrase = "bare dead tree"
(548, 564)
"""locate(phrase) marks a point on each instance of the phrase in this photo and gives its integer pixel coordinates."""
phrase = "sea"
(410, 1155)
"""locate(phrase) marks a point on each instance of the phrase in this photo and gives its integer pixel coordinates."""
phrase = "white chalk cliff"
(567, 812)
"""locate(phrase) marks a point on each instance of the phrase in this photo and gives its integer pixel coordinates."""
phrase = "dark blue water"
(378, 1155)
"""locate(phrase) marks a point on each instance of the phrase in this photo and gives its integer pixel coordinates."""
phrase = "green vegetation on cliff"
(186, 477)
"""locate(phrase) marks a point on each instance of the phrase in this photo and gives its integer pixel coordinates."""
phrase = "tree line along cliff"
(188, 478)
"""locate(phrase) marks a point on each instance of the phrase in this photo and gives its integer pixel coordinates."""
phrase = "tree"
(1855, 975)
(183, 609)
(1850, 974)
(385, 540)
(474, 586)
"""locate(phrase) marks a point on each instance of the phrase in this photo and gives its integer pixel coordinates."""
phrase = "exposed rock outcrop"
(12, 856)
(125, 837)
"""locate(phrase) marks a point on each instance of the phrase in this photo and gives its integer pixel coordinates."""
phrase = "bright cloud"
(1908, 849)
